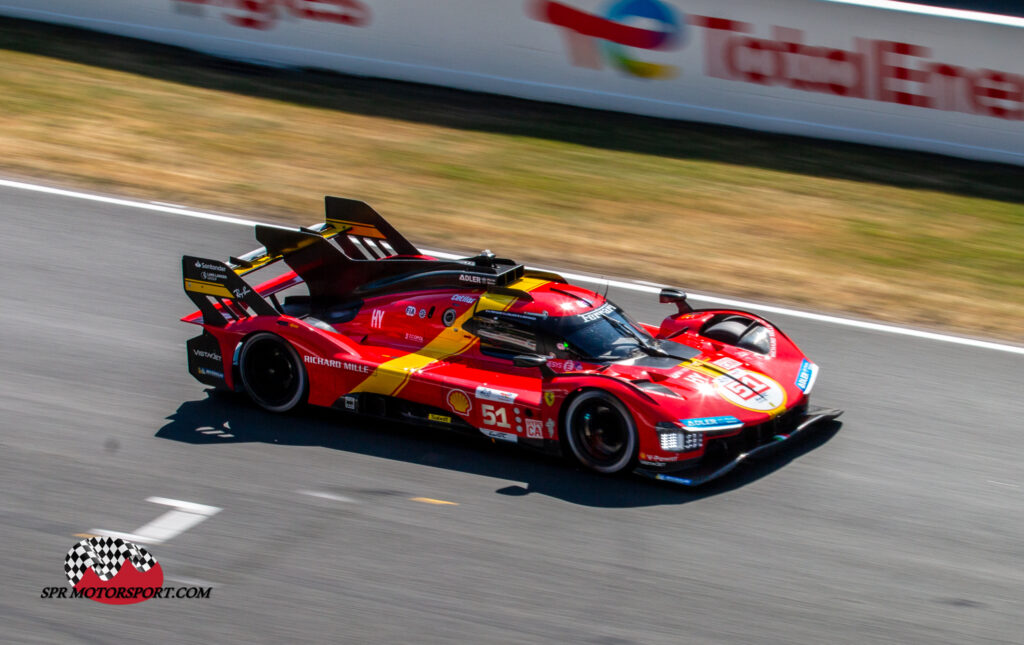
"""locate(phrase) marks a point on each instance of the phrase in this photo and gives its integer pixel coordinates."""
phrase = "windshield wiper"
(645, 344)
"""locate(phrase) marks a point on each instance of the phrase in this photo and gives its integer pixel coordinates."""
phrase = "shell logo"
(459, 402)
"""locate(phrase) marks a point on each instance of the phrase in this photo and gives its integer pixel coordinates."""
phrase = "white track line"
(172, 523)
(645, 287)
(328, 496)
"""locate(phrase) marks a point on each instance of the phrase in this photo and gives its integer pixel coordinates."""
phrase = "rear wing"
(208, 281)
(353, 254)
(220, 292)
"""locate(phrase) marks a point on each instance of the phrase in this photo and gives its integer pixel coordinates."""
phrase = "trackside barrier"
(868, 71)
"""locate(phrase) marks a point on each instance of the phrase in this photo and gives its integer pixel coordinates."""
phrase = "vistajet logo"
(202, 353)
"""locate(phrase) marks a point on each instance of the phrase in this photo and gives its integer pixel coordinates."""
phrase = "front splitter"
(702, 475)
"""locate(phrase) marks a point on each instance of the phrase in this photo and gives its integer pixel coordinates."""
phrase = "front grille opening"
(726, 449)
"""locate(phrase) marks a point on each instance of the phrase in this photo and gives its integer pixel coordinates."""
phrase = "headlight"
(687, 435)
(681, 441)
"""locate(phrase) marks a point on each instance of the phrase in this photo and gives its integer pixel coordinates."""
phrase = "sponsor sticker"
(318, 360)
(727, 363)
(499, 435)
(440, 418)
(717, 423)
(210, 267)
(650, 457)
(410, 310)
(549, 398)
(377, 318)
(652, 464)
(696, 379)
(805, 378)
(490, 394)
(461, 297)
(591, 316)
(341, 365)
(568, 365)
(469, 278)
(534, 428)
(213, 356)
(459, 402)
(208, 372)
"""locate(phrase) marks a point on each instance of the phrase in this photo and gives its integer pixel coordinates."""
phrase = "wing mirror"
(534, 360)
(677, 297)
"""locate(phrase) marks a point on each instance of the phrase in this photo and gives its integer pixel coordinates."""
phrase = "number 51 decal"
(494, 416)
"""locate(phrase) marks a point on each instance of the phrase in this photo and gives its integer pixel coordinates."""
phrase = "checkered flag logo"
(105, 556)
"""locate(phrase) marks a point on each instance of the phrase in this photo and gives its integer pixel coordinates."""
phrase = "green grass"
(878, 233)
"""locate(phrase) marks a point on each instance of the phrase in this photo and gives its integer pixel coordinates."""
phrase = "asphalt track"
(902, 525)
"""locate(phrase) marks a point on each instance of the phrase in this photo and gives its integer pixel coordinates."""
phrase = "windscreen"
(606, 333)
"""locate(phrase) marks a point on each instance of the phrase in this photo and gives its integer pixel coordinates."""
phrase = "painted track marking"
(436, 502)
(328, 496)
(632, 286)
(184, 516)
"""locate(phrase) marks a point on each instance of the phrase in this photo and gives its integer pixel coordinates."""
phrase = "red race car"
(485, 345)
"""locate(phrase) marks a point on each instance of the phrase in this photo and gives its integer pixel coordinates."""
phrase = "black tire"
(271, 372)
(600, 432)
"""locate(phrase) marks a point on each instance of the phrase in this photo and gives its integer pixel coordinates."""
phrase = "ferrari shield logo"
(549, 398)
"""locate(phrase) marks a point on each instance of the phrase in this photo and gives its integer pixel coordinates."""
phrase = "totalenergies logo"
(625, 26)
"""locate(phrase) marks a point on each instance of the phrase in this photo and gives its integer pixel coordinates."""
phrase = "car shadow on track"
(223, 418)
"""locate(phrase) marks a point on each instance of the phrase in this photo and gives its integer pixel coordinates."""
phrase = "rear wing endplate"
(207, 281)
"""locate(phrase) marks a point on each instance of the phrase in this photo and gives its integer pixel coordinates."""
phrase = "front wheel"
(271, 372)
(600, 432)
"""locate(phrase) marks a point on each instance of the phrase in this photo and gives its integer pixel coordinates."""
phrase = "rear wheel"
(272, 373)
(600, 432)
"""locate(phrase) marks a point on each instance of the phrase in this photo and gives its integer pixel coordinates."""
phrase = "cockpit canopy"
(605, 333)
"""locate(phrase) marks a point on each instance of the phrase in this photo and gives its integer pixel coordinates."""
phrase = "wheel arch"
(626, 409)
(303, 395)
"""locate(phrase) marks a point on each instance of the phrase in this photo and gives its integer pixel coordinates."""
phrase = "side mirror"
(676, 296)
(534, 360)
